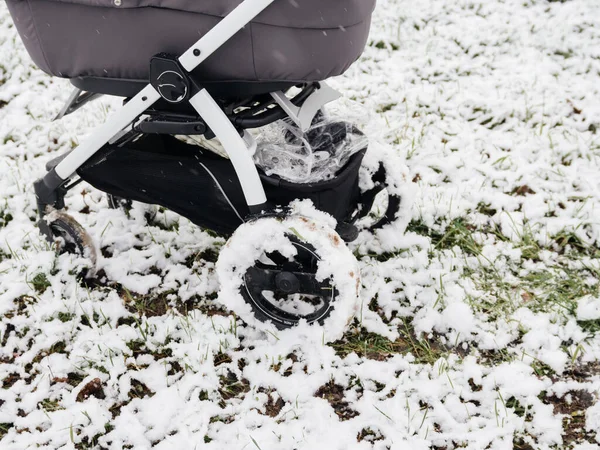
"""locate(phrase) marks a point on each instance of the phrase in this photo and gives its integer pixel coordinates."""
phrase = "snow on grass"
(479, 324)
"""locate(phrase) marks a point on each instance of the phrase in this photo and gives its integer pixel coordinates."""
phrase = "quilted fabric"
(292, 40)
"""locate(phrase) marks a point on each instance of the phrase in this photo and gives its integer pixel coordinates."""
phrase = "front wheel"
(68, 236)
(380, 205)
(280, 272)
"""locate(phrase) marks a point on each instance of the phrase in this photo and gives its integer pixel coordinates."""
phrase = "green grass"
(458, 233)
(551, 274)
(556, 286)
(4, 428)
(150, 305)
(40, 282)
(377, 347)
(50, 405)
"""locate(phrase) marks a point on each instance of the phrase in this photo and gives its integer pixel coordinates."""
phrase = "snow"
(588, 308)
(592, 419)
(479, 303)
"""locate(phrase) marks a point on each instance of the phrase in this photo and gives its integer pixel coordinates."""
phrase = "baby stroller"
(216, 69)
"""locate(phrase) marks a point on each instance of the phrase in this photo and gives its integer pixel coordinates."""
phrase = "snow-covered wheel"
(280, 272)
(380, 205)
(70, 237)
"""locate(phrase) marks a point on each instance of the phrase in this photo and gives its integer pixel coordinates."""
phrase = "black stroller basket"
(202, 186)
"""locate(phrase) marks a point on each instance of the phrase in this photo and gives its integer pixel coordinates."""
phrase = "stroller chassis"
(171, 82)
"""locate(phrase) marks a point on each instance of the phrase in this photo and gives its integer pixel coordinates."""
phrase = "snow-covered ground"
(479, 326)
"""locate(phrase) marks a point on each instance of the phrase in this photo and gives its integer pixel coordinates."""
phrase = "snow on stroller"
(216, 69)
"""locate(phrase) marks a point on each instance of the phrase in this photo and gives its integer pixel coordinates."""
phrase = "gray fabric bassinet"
(292, 40)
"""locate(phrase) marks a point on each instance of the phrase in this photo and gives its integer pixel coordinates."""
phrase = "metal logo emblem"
(172, 86)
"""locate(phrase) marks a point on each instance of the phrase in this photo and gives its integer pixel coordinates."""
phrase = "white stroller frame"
(238, 148)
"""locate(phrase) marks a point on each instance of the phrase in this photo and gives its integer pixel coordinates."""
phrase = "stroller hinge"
(76, 100)
(170, 79)
(304, 115)
(49, 193)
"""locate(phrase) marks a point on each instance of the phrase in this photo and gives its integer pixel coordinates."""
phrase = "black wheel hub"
(287, 282)
(286, 292)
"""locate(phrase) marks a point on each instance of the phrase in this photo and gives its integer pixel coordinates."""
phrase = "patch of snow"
(588, 308)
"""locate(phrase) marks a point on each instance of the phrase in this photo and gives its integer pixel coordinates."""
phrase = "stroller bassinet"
(291, 41)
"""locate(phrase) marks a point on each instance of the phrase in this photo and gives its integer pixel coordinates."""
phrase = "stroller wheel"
(281, 272)
(374, 214)
(70, 237)
(382, 215)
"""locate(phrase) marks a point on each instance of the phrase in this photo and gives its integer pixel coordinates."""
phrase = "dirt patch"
(272, 407)
(584, 372)
(74, 379)
(10, 380)
(292, 357)
(174, 368)
(369, 435)
(139, 390)
(522, 191)
(115, 409)
(146, 305)
(573, 406)
(520, 444)
(206, 305)
(232, 387)
(222, 358)
(334, 394)
(91, 389)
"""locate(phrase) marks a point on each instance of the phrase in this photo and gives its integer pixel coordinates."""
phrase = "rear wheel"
(69, 236)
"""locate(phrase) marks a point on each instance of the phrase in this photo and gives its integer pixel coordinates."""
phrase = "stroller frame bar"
(202, 102)
(113, 125)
